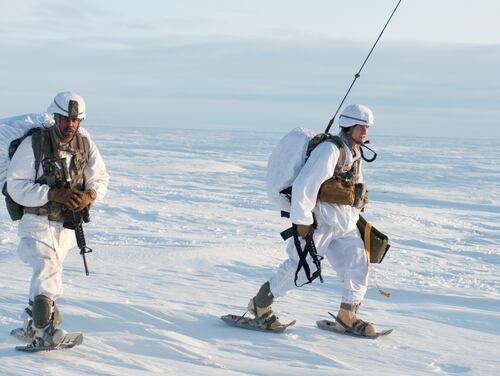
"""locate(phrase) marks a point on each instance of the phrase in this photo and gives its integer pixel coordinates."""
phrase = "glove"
(85, 198)
(66, 196)
(303, 230)
(360, 196)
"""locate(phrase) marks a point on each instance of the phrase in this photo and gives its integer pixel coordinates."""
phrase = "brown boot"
(264, 315)
(347, 321)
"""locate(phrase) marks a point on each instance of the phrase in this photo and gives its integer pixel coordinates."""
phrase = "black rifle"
(74, 221)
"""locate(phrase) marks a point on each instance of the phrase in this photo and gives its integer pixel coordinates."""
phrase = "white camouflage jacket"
(320, 167)
(23, 189)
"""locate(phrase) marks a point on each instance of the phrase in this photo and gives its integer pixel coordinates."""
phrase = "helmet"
(68, 104)
(355, 114)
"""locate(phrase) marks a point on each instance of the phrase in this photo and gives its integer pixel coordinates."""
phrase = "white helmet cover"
(68, 104)
(355, 114)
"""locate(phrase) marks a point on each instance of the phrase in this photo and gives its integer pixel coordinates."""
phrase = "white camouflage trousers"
(46, 262)
(346, 254)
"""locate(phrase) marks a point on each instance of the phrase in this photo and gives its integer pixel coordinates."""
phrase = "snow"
(186, 234)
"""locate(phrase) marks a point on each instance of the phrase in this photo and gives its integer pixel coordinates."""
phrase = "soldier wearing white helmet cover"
(336, 235)
(63, 149)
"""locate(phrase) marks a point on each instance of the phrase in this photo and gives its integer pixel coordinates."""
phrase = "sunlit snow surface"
(186, 234)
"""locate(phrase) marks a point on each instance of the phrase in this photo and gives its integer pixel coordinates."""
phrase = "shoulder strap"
(342, 157)
(37, 142)
(322, 137)
(83, 146)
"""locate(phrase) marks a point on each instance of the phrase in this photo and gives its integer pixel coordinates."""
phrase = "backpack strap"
(38, 142)
(38, 136)
(83, 146)
(337, 141)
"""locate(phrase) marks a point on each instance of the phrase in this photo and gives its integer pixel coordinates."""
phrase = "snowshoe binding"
(264, 319)
(357, 327)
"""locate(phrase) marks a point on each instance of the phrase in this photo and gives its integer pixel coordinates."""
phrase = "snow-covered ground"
(186, 234)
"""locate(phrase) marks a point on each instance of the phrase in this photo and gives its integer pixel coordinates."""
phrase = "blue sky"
(264, 65)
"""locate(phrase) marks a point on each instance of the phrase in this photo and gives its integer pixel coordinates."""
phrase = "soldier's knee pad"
(42, 311)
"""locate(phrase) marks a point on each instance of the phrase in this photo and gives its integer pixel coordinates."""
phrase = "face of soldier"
(66, 128)
(359, 133)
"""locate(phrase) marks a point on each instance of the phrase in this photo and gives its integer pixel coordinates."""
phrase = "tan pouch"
(339, 192)
(336, 191)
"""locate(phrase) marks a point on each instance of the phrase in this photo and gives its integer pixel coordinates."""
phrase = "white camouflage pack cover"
(285, 163)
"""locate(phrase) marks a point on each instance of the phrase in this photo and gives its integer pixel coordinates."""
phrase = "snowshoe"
(263, 324)
(357, 329)
(67, 341)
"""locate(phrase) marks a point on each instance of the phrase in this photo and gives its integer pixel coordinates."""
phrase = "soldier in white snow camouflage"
(63, 149)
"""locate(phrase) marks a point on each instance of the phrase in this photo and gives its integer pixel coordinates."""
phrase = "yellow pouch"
(376, 243)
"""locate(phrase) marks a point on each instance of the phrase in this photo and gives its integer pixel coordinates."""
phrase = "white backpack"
(15, 127)
(285, 163)
(288, 158)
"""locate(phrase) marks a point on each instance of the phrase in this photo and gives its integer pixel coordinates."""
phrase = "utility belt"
(339, 191)
(49, 210)
(59, 213)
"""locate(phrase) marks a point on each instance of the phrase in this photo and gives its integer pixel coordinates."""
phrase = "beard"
(66, 134)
